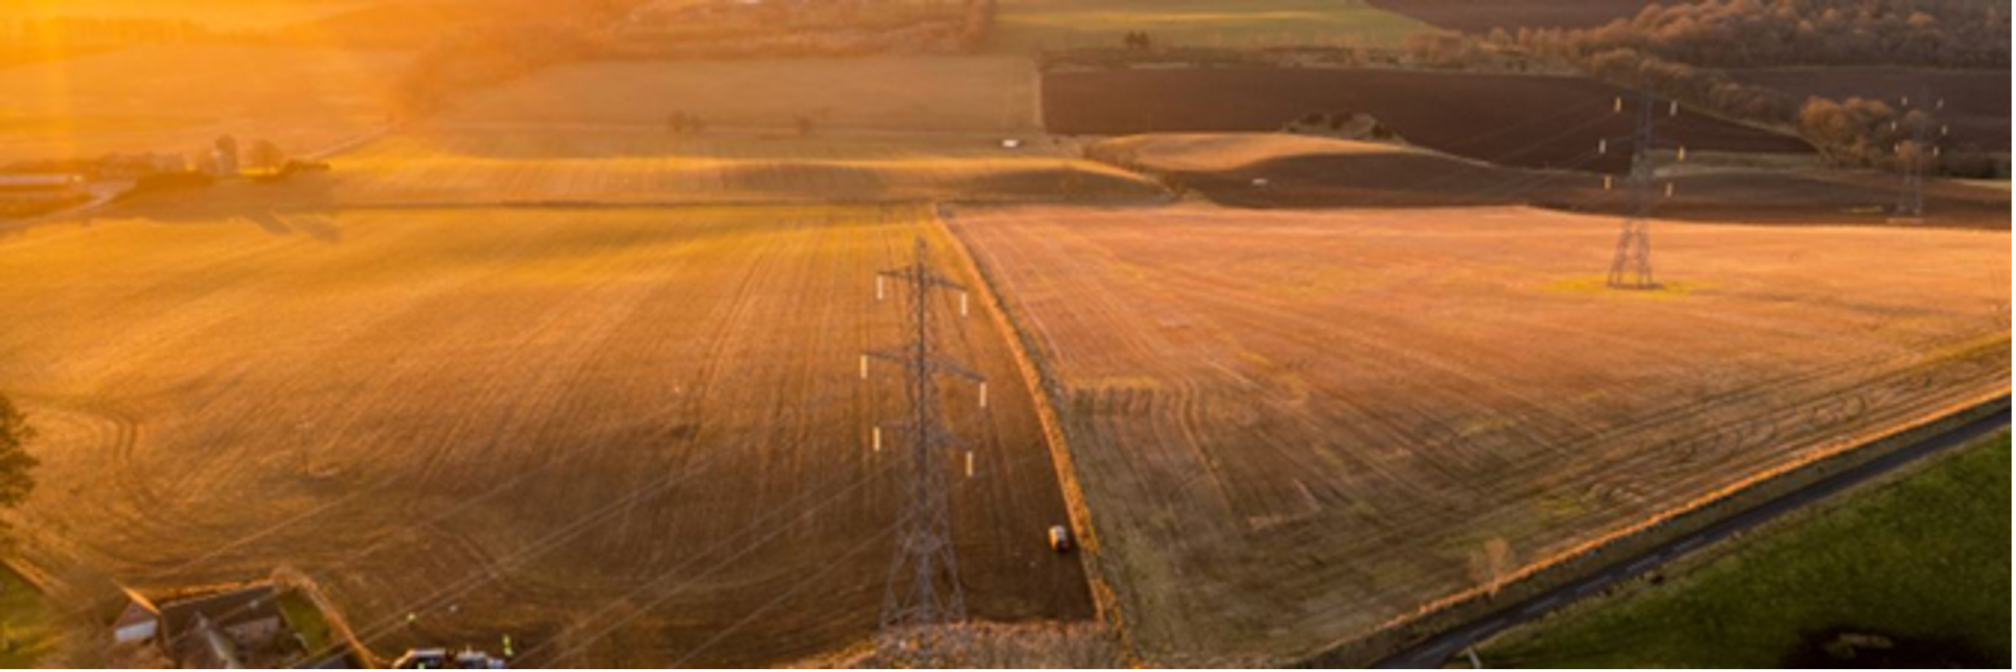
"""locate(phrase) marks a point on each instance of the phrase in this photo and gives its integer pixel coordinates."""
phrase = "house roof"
(134, 614)
(138, 609)
(224, 609)
(39, 181)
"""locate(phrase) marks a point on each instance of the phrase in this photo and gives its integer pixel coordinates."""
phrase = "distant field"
(179, 98)
(1480, 17)
(1977, 102)
(222, 15)
(1516, 120)
(1024, 26)
(551, 424)
(13, 55)
(1293, 427)
(1924, 562)
(26, 633)
(987, 94)
(1273, 170)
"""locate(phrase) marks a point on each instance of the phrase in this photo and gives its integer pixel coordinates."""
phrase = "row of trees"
(1855, 131)
(1764, 33)
(1678, 50)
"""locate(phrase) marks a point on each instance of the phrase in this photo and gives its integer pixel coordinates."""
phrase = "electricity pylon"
(1916, 158)
(923, 605)
(1631, 265)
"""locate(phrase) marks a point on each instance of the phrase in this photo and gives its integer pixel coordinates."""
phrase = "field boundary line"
(1104, 599)
(352, 143)
(1569, 565)
(38, 581)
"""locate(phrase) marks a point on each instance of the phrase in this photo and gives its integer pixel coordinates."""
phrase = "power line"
(1916, 156)
(678, 579)
(607, 511)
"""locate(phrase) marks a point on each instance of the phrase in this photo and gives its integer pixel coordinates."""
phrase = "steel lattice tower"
(1631, 265)
(923, 602)
(1911, 203)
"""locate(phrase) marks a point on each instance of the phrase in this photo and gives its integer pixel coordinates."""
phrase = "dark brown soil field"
(1977, 102)
(1823, 198)
(1479, 16)
(1318, 173)
(1532, 122)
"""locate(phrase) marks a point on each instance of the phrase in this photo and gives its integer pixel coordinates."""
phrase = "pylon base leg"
(1636, 286)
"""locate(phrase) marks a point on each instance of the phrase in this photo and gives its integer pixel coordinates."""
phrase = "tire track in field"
(588, 316)
(300, 368)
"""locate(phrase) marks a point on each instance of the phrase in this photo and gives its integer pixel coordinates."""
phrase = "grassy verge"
(26, 633)
(1914, 573)
(305, 619)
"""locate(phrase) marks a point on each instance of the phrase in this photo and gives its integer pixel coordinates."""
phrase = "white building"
(40, 188)
(139, 622)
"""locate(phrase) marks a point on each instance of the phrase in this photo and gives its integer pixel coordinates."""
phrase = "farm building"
(139, 622)
(39, 189)
(227, 629)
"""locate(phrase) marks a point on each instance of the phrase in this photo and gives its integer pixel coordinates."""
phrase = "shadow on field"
(301, 205)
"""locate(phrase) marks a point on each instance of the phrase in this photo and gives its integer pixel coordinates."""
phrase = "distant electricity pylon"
(1631, 266)
(924, 606)
(1917, 156)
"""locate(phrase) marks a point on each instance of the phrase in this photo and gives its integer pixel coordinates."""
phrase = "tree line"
(1772, 33)
(1678, 51)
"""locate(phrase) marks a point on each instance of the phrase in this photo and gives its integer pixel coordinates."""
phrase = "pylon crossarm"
(908, 360)
(909, 274)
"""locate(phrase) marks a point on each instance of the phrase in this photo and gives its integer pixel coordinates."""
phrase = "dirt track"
(1293, 427)
(1513, 120)
(623, 437)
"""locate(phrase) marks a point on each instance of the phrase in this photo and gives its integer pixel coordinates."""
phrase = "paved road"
(1434, 652)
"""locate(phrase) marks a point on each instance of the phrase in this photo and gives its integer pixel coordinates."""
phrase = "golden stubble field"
(179, 98)
(623, 437)
(223, 15)
(1292, 428)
